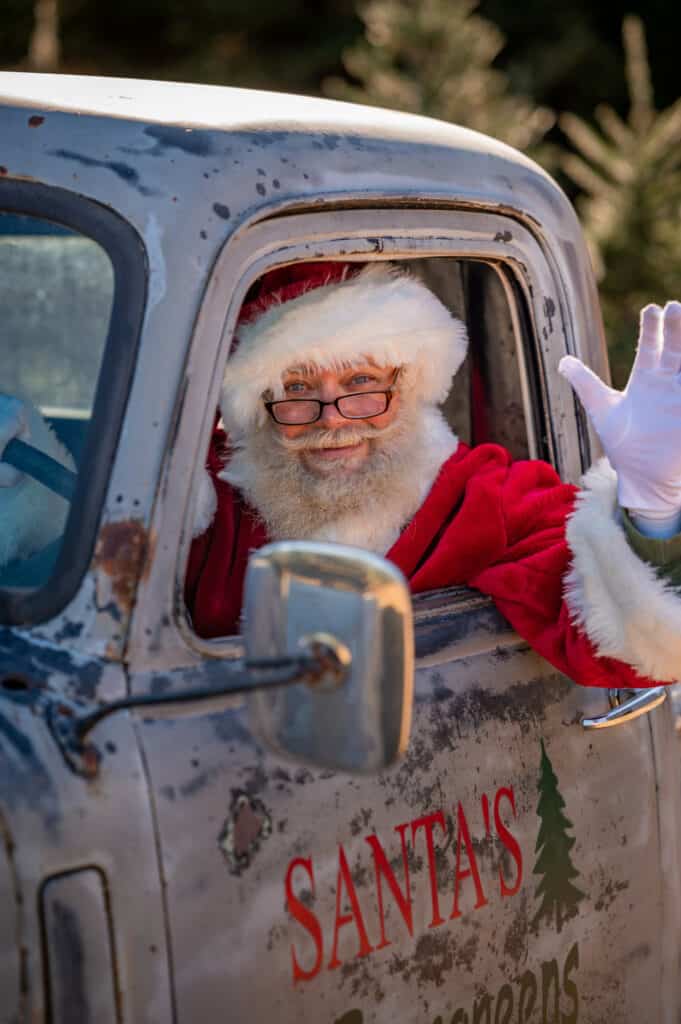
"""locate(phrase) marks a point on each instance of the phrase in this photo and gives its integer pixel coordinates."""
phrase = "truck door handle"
(623, 711)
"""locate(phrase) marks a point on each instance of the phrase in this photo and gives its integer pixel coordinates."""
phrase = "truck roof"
(222, 108)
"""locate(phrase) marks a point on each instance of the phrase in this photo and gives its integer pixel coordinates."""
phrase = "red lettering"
(427, 823)
(509, 841)
(345, 879)
(306, 918)
(464, 838)
(382, 867)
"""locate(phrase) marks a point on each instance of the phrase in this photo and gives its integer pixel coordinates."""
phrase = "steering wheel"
(41, 467)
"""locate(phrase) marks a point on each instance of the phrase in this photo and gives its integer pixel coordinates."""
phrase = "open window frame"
(535, 297)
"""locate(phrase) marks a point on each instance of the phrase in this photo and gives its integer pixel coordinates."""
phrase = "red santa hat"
(334, 315)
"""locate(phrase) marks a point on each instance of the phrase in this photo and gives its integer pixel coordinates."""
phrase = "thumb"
(595, 396)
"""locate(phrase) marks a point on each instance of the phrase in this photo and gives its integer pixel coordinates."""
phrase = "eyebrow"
(313, 371)
(300, 371)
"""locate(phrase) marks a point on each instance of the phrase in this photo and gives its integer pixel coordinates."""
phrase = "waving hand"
(640, 427)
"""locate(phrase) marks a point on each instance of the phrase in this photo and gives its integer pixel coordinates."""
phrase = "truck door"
(515, 866)
(82, 935)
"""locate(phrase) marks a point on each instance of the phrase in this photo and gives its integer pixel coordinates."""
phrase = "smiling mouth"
(334, 451)
(336, 457)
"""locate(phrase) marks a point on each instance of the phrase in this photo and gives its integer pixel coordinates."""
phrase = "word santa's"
(315, 943)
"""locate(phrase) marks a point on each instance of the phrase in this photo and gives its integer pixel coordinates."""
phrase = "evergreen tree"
(559, 896)
(630, 173)
(435, 57)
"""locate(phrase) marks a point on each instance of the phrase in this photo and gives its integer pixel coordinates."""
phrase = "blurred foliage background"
(589, 90)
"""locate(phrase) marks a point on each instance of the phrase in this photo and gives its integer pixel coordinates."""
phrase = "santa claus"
(329, 429)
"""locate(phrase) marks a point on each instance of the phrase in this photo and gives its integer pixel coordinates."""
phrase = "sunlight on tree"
(435, 57)
(630, 174)
(43, 48)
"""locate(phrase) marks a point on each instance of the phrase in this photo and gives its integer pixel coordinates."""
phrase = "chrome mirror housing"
(301, 595)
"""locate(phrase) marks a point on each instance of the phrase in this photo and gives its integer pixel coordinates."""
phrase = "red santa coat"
(487, 522)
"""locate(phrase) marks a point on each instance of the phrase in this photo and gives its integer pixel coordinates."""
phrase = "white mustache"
(342, 438)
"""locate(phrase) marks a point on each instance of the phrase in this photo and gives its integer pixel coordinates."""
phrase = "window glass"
(56, 294)
(267, 488)
(485, 402)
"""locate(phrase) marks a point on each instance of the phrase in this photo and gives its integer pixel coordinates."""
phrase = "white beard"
(367, 507)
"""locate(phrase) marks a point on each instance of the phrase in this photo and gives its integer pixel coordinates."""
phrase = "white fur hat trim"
(381, 313)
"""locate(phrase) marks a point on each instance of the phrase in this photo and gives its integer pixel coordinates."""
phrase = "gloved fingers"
(649, 339)
(670, 359)
(596, 397)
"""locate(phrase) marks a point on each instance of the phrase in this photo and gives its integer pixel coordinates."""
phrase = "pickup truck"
(363, 809)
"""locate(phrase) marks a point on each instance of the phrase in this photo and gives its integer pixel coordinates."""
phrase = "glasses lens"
(357, 407)
(295, 412)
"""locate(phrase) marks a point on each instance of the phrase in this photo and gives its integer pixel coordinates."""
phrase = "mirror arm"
(70, 724)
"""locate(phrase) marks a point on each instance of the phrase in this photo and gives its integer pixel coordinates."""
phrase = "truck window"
(487, 402)
(56, 293)
(71, 295)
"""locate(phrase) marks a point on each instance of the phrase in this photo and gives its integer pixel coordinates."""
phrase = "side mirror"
(358, 604)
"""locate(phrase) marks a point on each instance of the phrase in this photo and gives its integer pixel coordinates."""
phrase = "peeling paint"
(123, 171)
(248, 825)
(39, 662)
(191, 141)
(153, 239)
(24, 779)
(434, 959)
(549, 312)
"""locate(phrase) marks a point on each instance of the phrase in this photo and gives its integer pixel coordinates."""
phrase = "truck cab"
(506, 847)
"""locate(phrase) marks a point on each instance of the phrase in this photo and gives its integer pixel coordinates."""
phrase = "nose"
(331, 418)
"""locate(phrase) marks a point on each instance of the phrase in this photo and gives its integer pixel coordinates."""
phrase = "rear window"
(63, 286)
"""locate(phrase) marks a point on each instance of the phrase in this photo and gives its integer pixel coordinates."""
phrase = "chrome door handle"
(622, 712)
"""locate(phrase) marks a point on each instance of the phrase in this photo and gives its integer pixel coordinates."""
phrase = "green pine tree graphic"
(559, 896)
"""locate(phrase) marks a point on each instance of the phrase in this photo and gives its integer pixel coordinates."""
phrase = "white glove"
(13, 423)
(640, 427)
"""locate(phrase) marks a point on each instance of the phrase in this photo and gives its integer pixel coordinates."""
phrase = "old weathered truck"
(248, 828)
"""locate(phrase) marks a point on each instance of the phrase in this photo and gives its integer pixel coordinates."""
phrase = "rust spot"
(119, 553)
(149, 554)
(248, 824)
(36, 121)
(90, 761)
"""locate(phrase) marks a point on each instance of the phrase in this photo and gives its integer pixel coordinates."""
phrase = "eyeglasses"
(360, 405)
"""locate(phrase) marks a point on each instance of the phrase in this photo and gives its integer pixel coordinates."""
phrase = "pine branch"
(638, 73)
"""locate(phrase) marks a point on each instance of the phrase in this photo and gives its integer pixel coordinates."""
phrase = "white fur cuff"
(625, 609)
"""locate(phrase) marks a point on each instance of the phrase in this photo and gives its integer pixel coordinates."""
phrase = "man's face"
(334, 444)
(354, 481)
